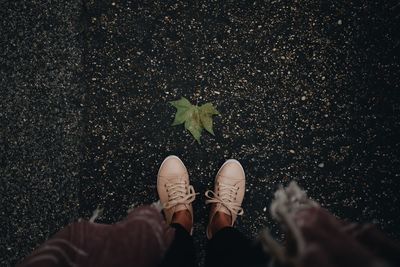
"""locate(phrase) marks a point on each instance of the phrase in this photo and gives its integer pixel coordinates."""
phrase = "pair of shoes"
(176, 193)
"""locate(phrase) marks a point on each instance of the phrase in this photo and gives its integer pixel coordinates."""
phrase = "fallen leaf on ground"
(195, 118)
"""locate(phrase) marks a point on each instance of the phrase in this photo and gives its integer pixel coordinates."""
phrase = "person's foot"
(175, 193)
(227, 197)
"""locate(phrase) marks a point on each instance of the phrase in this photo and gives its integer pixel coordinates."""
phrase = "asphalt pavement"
(307, 91)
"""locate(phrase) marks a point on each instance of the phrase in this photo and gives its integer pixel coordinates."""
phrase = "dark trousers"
(228, 247)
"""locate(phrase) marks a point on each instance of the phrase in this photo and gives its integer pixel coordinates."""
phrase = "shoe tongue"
(180, 207)
(223, 209)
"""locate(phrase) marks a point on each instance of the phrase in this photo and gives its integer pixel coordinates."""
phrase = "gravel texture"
(40, 117)
(307, 91)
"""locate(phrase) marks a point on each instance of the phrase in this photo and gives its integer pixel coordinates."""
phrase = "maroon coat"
(140, 240)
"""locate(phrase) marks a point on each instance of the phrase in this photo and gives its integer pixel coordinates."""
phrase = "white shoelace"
(227, 196)
(179, 193)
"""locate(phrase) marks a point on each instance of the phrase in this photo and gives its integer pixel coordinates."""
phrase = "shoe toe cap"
(232, 171)
(172, 167)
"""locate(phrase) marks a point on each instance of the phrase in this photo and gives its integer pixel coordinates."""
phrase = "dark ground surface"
(307, 91)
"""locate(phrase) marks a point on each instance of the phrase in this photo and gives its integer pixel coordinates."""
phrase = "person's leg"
(227, 246)
(176, 196)
(181, 252)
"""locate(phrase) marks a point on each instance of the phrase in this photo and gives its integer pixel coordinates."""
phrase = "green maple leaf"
(194, 117)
